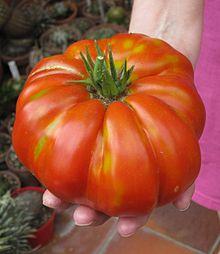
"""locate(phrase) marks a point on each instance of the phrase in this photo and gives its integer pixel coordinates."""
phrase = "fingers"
(52, 201)
(127, 226)
(184, 200)
(86, 216)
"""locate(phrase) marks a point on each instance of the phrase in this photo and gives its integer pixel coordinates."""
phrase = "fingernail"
(127, 235)
(83, 224)
(185, 209)
(46, 202)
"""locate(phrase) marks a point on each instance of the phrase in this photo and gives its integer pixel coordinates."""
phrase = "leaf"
(112, 64)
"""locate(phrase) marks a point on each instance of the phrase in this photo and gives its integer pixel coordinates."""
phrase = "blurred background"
(29, 31)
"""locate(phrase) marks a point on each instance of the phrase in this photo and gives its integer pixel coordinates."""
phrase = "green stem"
(103, 75)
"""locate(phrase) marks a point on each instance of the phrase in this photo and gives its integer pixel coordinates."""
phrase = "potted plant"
(10, 123)
(92, 12)
(9, 91)
(7, 124)
(117, 15)
(103, 31)
(29, 199)
(8, 182)
(61, 12)
(5, 141)
(4, 12)
(24, 19)
(82, 24)
(27, 179)
(56, 39)
(15, 227)
(80, 5)
(35, 56)
(16, 50)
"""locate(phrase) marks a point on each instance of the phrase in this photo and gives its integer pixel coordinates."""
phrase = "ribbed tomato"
(119, 136)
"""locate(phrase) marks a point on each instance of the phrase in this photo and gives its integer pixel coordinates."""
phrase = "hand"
(126, 226)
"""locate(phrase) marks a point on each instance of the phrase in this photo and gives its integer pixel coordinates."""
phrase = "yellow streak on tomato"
(134, 77)
(157, 42)
(118, 195)
(39, 147)
(172, 58)
(39, 94)
(51, 127)
(107, 161)
(43, 140)
(139, 49)
(128, 44)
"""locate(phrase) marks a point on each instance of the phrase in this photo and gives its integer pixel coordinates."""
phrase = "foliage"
(31, 202)
(103, 32)
(5, 142)
(15, 227)
(83, 24)
(10, 89)
(116, 15)
(58, 10)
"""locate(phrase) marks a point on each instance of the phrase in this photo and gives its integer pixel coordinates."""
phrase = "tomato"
(119, 136)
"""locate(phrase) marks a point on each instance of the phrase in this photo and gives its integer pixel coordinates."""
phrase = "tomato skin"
(123, 159)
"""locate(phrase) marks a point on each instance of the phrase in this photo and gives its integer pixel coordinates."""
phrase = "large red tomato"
(119, 136)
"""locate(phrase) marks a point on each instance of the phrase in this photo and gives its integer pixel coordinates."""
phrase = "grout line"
(149, 230)
(104, 243)
(217, 241)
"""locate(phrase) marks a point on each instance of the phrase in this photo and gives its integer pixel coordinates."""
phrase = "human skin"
(180, 24)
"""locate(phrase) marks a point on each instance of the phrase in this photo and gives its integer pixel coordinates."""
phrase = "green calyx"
(105, 81)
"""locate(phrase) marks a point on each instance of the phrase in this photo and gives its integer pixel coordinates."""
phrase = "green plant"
(16, 47)
(5, 142)
(31, 202)
(35, 56)
(59, 10)
(10, 123)
(116, 14)
(5, 185)
(4, 12)
(56, 40)
(15, 227)
(9, 91)
(25, 18)
(8, 182)
(94, 8)
(14, 159)
(83, 24)
(103, 32)
(60, 38)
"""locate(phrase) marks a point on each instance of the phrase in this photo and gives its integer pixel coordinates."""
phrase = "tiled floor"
(198, 227)
(167, 232)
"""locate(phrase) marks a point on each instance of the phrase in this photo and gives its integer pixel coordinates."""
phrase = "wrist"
(179, 23)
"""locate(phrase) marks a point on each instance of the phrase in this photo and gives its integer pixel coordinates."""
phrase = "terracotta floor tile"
(71, 239)
(145, 243)
(197, 227)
